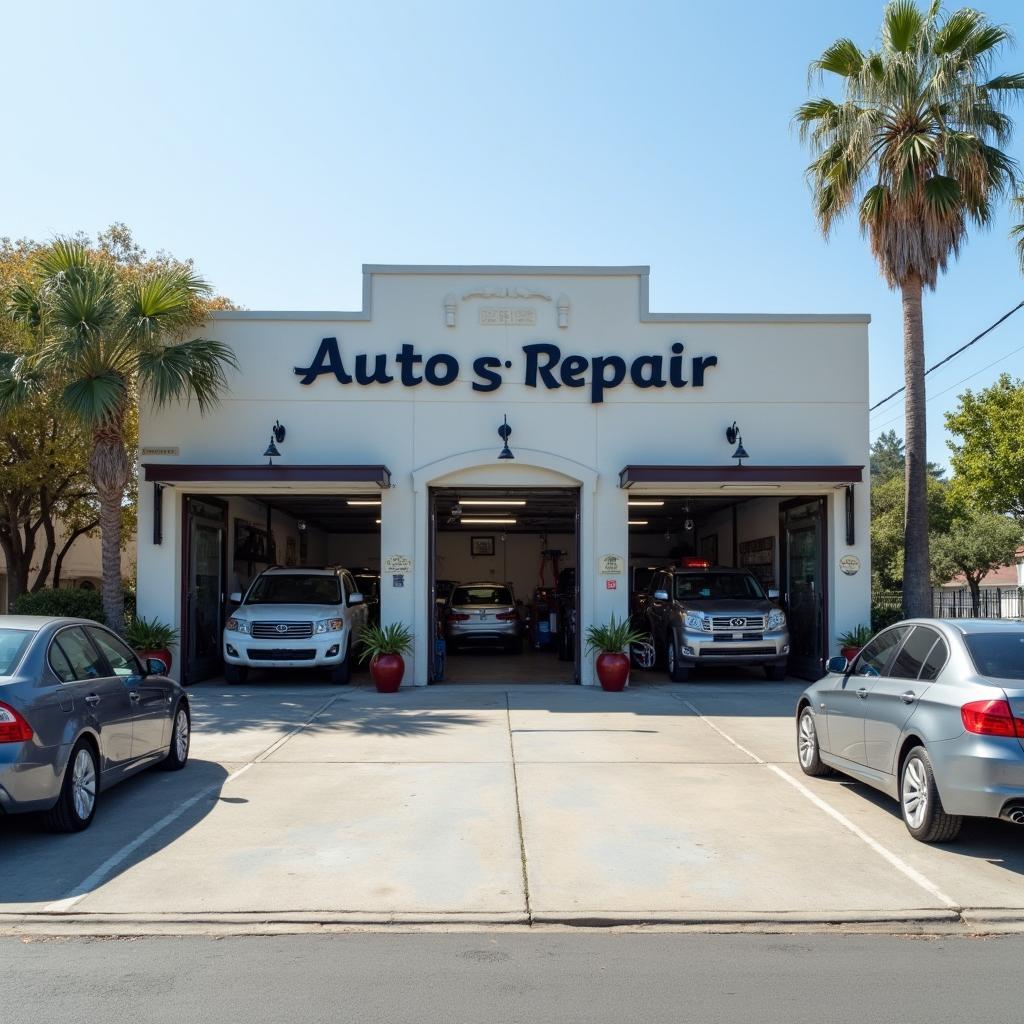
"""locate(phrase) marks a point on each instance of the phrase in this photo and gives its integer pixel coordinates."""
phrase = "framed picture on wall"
(709, 548)
(481, 546)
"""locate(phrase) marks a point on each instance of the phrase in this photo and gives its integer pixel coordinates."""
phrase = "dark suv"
(714, 617)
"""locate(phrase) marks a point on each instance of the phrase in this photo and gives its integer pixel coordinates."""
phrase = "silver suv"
(295, 618)
(714, 616)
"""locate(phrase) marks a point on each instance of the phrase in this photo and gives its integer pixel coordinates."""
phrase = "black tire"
(177, 754)
(677, 672)
(341, 674)
(807, 749)
(236, 673)
(935, 825)
(65, 816)
(775, 673)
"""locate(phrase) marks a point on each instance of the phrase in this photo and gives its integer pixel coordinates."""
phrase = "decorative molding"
(563, 310)
(450, 306)
(504, 293)
(503, 317)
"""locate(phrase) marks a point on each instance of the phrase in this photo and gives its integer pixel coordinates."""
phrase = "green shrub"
(884, 615)
(76, 604)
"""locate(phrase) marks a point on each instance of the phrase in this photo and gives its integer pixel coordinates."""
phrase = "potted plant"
(384, 646)
(611, 640)
(853, 640)
(151, 638)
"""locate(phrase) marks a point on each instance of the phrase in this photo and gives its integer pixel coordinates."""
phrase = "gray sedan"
(78, 714)
(930, 712)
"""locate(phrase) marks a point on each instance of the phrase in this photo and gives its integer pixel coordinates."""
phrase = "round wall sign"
(849, 564)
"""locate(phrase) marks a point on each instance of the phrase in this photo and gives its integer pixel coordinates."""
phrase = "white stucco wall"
(797, 386)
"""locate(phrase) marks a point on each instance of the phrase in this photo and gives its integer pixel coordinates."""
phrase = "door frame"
(185, 638)
(823, 562)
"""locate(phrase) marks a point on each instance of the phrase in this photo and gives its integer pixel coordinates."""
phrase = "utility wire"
(941, 362)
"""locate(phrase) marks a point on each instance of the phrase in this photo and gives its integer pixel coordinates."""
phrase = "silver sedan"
(483, 615)
(930, 712)
(79, 713)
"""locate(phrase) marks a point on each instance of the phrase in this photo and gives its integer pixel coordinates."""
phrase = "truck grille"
(730, 652)
(737, 624)
(281, 654)
(281, 630)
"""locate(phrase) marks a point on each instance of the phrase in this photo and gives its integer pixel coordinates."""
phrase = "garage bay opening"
(504, 585)
(728, 585)
(233, 540)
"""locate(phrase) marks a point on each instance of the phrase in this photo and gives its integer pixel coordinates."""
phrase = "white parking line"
(111, 864)
(897, 862)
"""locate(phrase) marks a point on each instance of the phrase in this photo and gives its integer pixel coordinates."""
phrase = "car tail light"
(13, 728)
(458, 617)
(507, 616)
(991, 718)
(690, 562)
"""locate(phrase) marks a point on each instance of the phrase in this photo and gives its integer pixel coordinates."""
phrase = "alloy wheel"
(181, 734)
(807, 742)
(83, 784)
(915, 792)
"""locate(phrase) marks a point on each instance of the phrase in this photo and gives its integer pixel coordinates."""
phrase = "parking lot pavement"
(500, 804)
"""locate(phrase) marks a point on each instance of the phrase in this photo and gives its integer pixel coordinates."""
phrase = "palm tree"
(108, 337)
(913, 144)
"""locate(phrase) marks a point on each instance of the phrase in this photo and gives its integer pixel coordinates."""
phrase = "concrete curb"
(609, 919)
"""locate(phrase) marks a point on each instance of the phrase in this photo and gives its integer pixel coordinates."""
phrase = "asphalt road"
(490, 978)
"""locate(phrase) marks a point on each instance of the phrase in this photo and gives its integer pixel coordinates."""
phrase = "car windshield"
(12, 646)
(482, 595)
(717, 586)
(295, 589)
(1000, 655)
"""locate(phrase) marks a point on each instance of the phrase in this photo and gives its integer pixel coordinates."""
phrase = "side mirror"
(661, 595)
(155, 667)
(839, 665)
(236, 597)
(355, 598)
(773, 595)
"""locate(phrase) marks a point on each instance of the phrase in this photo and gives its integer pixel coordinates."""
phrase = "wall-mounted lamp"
(733, 436)
(505, 432)
(277, 433)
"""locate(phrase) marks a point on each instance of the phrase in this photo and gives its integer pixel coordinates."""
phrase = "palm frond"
(25, 306)
(186, 371)
(842, 58)
(20, 381)
(62, 255)
(957, 30)
(902, 25)
(97, 399)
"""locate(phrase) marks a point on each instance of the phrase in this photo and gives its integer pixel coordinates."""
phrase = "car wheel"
(923, 813)
(236, 673)
(775, 673)
(677, 672)
(807, 750)
(181, 741)
(76, 805)
(341, 673)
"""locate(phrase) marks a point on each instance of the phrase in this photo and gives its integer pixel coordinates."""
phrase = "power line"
(941, 362)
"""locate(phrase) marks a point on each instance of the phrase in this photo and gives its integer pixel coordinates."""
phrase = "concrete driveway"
(501, 804)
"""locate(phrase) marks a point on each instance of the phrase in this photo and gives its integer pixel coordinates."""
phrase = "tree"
(888, 458)
(913, 144)
(989, 458)
(110, 334)
(976, 543)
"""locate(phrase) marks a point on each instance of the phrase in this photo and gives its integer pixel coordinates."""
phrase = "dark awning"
(173, 473)
(631, 475)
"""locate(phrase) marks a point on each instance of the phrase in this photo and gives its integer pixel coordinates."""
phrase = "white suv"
(295, 618)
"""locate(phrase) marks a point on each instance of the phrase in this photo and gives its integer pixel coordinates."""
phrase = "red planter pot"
(849, 653)
(612, 671)
(163, 654)
(386, 671)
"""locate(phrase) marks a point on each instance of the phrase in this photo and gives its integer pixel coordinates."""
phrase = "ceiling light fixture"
(489, 522)
(362, 502)
(490, 501)
(637, 522)
(633, 503)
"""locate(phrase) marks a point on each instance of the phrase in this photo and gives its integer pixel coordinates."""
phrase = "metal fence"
(950, 603)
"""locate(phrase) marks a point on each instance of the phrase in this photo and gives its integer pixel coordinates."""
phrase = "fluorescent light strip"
(363, 502)
(489, 501)
(638, 522)
(489, 522)
(653, 504)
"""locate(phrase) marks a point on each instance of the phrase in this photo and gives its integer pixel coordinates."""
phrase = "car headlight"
(237, 625)
(694, 621)
(330, 625)
(776, 619)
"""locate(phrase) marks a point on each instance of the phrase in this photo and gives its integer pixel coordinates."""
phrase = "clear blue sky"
(283, 145)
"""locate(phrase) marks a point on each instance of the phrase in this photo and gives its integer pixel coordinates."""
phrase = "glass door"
(204, 583)
(804, 584)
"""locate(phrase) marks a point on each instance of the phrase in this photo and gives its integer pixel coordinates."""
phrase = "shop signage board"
(611, 565)
(401, 564)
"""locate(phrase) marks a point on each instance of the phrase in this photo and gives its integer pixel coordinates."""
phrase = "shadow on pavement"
(40, 867)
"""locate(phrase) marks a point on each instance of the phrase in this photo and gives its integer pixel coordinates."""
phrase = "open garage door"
(504, 585)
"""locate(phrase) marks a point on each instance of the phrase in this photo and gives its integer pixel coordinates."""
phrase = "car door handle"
(863, 692)
(909, 697)
(134, 696)
(92, 700)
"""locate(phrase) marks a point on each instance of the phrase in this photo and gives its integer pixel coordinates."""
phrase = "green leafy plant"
(613, 637)
(856, 637)
(62, 602)
(394, 638)
(145, 634)
(883, 615)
